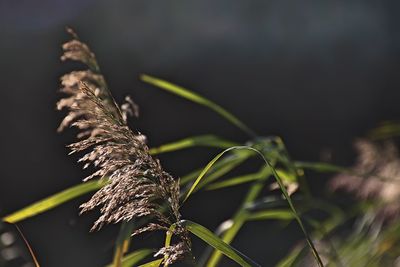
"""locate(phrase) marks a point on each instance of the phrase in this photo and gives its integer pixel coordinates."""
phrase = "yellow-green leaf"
(133, 258)
(194, 97)
(201, 140)
(214, 241)
(155, 263)
(54, 201)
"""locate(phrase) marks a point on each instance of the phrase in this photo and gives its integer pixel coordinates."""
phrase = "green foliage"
(53, 201)
(196, 98)
(369, 244)
(201, 140)
(214, 241)
(133, 258)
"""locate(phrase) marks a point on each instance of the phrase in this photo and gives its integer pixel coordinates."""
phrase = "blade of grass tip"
(281, 186)
(194, 97)
(201, 140)
(214, 241)
(54, 201)
(35, 261)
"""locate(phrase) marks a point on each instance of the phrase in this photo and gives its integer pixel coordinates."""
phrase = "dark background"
(317, 73)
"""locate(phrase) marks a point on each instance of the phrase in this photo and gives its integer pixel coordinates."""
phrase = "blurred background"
(316, 73)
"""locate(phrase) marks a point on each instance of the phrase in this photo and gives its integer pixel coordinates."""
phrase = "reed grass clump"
(130, 187)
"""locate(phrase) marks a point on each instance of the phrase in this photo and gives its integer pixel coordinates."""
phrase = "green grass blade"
(320, 166)
(214, 241)
(201, 140)
(123, 241)
(155, 263)
(219, 169)
(241, 179)
(385, 130)
(295, 214)
(271, 214)
(205, 170)
(133, 258)
(237, 222)
(281, 186)
(293, 258)
(187, 94)
(54, 201)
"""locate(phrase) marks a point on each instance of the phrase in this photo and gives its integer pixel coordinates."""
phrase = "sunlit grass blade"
(236, 223)
(201, 140)
(281, 186)
(320, 166)
(54, 201)
(122, 243)
(205, 170)
(194, 97)
(219, 169)
(296, 216)
(385, 130)
(271, 214)
(293, 258)
(155, 263)
(241, 179)
(214, 241)
(133, 258)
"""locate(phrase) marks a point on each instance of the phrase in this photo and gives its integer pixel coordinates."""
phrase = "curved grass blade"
(205, 170)
(281, 186)
(133, 258)
(201, 140)
(219, 169)
(54, 201)
(214, 241)
(34, 258)
(185, 93)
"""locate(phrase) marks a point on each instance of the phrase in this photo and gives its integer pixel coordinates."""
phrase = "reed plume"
(380, 166)
(138, 186)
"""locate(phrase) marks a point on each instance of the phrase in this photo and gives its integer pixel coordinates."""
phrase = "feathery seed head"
(138, 186)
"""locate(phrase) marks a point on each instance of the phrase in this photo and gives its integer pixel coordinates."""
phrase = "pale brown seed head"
(138, 187)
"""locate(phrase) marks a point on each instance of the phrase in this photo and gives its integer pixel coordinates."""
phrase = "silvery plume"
(376, 175)
(138, 188)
